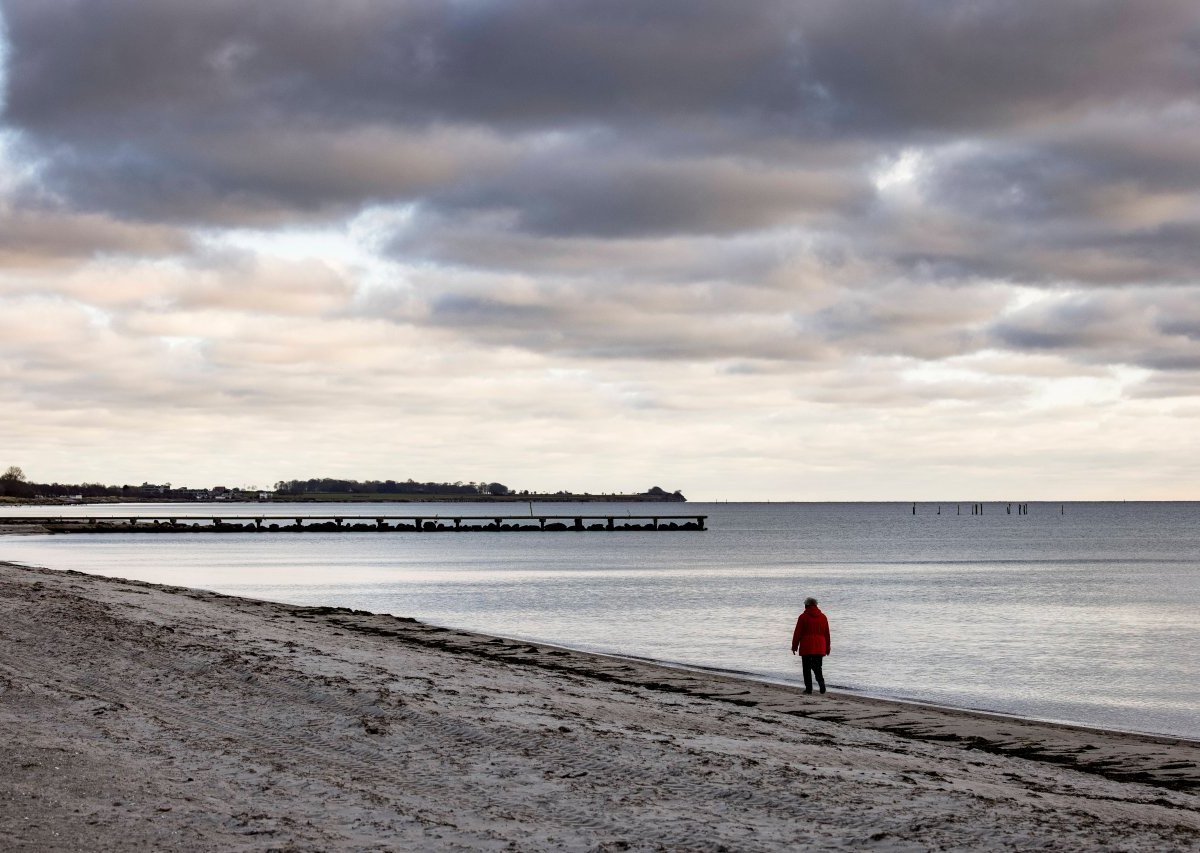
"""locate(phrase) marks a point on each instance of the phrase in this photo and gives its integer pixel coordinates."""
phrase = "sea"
(1083, 613)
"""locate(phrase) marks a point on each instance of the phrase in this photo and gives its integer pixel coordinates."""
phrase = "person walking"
(811, 641)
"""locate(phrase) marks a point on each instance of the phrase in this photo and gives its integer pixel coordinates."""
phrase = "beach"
(138, 716)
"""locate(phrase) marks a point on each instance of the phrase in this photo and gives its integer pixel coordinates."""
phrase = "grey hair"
(810, 602)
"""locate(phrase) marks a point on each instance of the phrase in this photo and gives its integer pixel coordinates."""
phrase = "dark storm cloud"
(134, 93)
(618, 197)
(929, 64)
(1158, 330)
(476, 242)
(686, 178)
(524, 62)
(554, 61)
(905, 318)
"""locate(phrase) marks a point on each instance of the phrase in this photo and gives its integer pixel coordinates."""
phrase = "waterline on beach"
(1083, 618)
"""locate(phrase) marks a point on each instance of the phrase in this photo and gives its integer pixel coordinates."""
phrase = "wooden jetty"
(412, 522)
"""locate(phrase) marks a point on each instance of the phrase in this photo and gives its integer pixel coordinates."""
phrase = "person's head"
(810, 602)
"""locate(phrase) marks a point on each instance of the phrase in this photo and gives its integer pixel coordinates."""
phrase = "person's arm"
(828, 640)
(796, 634)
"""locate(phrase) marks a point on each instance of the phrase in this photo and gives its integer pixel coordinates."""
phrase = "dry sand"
(138, 717)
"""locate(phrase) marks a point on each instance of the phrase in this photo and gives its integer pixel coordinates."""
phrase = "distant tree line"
(14, 484)
(386, 487)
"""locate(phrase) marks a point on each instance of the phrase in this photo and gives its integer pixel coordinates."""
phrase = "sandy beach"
(135, 716)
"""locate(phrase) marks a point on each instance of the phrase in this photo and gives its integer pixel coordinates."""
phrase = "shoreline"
(841, 691)
(849, 692)
(136, 715)
(698, 670)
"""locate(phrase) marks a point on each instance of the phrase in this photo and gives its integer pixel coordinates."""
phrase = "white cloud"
(899, 175)
(791, 266)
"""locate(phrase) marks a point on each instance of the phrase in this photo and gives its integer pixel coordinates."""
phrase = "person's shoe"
(809, 691)
(822, 688)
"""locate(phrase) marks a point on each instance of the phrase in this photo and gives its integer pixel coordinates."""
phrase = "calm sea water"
(1084, 613)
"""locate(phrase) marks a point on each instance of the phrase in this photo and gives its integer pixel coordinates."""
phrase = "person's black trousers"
(812, 666)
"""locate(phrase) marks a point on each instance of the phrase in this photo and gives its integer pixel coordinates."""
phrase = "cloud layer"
(575, 244)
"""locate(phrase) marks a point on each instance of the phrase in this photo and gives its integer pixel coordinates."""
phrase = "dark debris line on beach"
(1119, 756)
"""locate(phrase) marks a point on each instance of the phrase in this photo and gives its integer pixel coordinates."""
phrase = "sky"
(819, 250)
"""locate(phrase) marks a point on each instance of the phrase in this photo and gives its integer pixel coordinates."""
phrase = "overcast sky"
(788, 249)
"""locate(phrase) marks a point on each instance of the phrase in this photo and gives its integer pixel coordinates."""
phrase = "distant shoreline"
(401, 499)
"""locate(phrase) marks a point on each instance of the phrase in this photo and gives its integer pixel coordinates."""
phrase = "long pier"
(411, 522)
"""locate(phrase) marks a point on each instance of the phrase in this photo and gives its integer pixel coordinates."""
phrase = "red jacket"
(811, 636)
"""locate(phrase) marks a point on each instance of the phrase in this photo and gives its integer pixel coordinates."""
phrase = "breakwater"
(412, 523)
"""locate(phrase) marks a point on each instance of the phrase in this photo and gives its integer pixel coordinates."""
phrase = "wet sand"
(136, 716)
